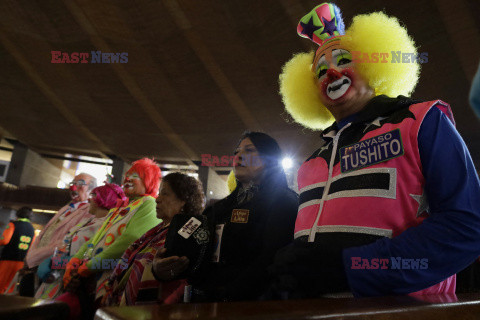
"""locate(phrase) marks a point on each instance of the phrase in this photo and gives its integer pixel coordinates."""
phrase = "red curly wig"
(150, 173)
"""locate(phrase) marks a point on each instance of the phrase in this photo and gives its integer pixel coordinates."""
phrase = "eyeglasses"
(77, 183)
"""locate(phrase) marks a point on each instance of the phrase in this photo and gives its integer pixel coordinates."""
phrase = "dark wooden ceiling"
(199, 72)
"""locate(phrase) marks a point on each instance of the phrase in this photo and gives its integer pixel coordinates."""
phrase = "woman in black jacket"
(250, 225)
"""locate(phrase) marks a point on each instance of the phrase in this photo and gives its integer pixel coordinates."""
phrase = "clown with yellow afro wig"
(372, 41)
(392, 181)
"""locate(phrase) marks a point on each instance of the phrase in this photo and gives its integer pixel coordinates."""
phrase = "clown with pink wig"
(389, 203)
(101, 200)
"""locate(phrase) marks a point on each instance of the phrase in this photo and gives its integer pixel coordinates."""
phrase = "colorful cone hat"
(322, 24)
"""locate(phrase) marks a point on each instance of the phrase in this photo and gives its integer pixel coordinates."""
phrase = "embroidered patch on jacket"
(240, 216)
(201, 236)
(371, 151)
(188, 228)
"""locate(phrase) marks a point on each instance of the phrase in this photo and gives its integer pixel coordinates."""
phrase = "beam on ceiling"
(49, 93)
(63, 150)
(214, 69)
(52, 156)
(130, 83)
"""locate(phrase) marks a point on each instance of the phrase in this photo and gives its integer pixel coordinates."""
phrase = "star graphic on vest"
(330, 26)
(325, 147)
(330, 134)
(422, 203)
(309, 28)
(375, 122)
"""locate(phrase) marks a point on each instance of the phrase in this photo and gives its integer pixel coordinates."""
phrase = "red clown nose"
(333, 74)
(73, 188)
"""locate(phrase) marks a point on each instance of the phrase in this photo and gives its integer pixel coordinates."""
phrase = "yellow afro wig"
(369, 33)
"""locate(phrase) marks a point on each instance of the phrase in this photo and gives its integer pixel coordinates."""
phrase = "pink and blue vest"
(373, 185)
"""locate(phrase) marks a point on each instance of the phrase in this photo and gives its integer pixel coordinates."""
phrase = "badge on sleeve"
(189, 227)
(240, 216)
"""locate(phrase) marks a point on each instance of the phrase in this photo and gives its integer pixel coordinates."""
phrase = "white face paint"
(336, 59)
(133, 185)
(338, 88)
(342, 90)
(79, 188)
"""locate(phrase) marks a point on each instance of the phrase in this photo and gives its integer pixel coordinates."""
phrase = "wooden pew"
(399, 307)
(23, 308)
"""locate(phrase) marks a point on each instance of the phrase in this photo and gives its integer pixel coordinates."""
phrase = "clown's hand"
(307, 270)
(165, 269)
(75, 282)
(72, 266)
(84, 271)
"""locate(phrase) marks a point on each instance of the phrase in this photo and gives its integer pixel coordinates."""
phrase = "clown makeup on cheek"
(336, 84)
(341, 57)
(334, 72)
(341, 89)
(133, 185)
(128, 182)
(321, 68)
(78, 190)
(132, 176)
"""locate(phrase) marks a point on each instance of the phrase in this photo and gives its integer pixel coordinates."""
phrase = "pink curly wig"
(150, 173)
(108, 195)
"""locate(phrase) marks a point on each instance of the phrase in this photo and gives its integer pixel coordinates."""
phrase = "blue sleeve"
(475, 93)
(449, 238)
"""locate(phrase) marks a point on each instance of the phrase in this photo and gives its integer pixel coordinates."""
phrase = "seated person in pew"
(132, 281)
(93, 264)
(101, 200)
(390, 203)
(247, 227)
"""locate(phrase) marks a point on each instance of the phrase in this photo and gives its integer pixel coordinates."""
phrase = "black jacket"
(248, 245)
